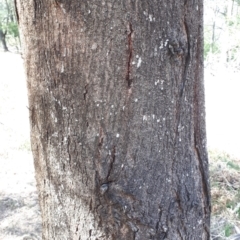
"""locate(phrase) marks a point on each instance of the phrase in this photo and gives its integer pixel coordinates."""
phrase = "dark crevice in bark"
(57, 3)
(207, 230)
(47, 135)
(203, 174)
(188, 58)
(159, 220)
(68, 149)
(32, 116)
(113, 156)
(90, 205)
(178, 200)
(184, 80)
(85, 92)
(204, 184)
(100, 143)
(134, 235)
(35, 10)
(180, 234)
(130, 56)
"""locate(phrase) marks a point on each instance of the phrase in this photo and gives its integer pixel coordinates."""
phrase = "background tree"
(117, 117)
(222, 21)
(8, 25)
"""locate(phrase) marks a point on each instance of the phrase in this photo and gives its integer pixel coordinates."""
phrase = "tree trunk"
(3, 40)
(117, 117)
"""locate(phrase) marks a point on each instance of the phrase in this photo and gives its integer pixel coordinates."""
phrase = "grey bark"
(117, 117)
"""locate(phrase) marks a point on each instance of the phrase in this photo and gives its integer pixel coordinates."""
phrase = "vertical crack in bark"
(90, 205)
(57, 4)
(205, 185)
(100, 142)
(113, 156)
(32, 116)
(180, 234)
(47, 135)
(203, 173)
(68, 149)
(76, 230)
(130, 56)
(85, 92)
(187, 61)
(50, 75)
(35, 10)
(202, 168)
(184, 79)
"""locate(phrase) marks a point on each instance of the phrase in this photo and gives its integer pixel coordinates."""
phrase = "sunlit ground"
(222, 87)
(19, 210)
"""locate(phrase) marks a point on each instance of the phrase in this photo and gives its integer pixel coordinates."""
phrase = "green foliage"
(25, 146)
(233, 165)
(12, 29)
(210, 48)
(228, 230)
(238, 213)
(217, 156)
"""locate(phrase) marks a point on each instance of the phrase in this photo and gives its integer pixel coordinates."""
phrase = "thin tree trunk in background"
(117, 117)
(213, 37)
(232, 7)
(3, 40)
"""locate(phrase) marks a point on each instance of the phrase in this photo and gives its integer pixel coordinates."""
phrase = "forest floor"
(223, 130)
(19, 209)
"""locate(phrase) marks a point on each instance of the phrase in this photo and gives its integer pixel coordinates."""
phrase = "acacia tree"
(117, 117)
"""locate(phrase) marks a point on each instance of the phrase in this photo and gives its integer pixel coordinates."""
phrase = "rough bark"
(117, 117)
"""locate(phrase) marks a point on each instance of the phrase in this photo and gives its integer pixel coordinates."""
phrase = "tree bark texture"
(117, 117)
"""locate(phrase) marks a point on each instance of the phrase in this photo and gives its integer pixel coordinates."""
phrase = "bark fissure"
(112, 161)
(85, 92)
(130, 56)
(205, 187)
(68, 149)
(203, 174)
(180, 234)
(35, 10)
(184, 79)
(187, 61)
